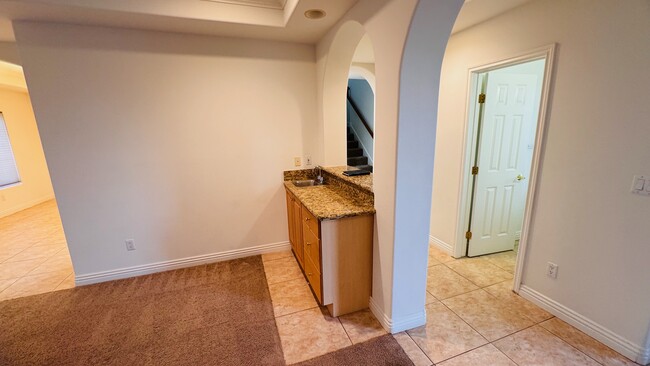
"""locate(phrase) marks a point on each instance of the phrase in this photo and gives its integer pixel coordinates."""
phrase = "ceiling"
(281, 20)
(272, 4)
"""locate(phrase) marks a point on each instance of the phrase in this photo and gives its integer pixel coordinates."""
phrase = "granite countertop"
(364, 182)
(334, 199)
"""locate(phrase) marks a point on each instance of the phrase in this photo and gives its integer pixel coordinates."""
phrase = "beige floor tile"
(283, 269)
(506, 260)
(18, 269)
(361, 326)
(6, 283)
(33, 285)
(503, 291)
(429, 298)
(310, 333)
(445, 335)
(276, 255)
(586, 344)
(412, 350)
(442, 282)
(54, 264)
(432, 261)
(536, 346)
(44, 251)
(491, 317)
(479, 271)
(439, 255)
(67, 283)
(291, 296)
(486, 355)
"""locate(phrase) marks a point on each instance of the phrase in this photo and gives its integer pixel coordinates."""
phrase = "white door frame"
(547, 53)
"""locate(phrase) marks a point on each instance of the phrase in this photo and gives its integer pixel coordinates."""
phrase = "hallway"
(34, 257)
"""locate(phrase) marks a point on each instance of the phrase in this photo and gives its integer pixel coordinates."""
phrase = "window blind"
(8, 170)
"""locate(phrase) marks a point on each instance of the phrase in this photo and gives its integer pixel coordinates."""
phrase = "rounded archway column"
(416, 135)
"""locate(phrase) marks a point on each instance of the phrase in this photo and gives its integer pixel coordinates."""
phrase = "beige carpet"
(218, 314)
(382, 351)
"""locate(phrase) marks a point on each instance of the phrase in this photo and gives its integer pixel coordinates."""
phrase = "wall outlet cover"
(130, 244)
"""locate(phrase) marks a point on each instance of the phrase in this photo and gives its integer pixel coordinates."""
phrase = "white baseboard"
(145, 269)
(399, 325)
(618, 343)
(25, 205)
(441, 244)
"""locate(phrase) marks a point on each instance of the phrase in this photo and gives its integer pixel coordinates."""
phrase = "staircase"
(355, 153)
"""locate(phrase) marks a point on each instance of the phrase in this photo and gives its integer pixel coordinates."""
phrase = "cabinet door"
(290, 220)
(297, 226)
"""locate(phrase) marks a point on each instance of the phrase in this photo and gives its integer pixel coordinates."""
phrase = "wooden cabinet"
(294, 216)
(335, 256)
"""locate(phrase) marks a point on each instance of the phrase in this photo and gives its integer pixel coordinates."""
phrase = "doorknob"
(520, 178)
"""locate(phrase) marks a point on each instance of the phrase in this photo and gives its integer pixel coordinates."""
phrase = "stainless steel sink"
(305, 183)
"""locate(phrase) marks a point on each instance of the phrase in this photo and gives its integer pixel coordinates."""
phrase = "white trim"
(547, 53)
(400, 325)
(448, 248)
(25, 205)
(145, 269)
(625, 347)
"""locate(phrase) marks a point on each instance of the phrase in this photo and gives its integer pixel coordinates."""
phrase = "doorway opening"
(360, 107)
(34, 256)
(507, 109)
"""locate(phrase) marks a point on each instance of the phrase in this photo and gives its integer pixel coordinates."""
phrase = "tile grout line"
(345, 330)
(570, 345)
(295, 312)
(418, 346)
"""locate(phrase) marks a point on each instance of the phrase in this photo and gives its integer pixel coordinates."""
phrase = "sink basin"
(305, 183)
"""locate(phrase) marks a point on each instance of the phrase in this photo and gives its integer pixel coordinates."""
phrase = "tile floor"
(473, 318)
(34, 257)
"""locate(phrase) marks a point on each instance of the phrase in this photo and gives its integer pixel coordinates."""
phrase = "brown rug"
(218, 314)
(381, 351)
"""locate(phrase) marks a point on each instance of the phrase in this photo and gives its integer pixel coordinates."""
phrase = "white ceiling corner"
(270, 4)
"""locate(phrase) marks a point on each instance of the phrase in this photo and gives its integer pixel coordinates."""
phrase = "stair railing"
(357, 110)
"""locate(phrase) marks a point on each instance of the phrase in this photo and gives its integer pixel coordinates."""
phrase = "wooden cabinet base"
(335, 256)
(347, 263)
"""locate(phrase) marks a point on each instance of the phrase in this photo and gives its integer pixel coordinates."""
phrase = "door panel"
(503, 154)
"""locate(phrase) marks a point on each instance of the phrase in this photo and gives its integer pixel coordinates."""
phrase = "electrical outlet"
(551, 270)
(130, 244)
(308, 160)
(296, 161)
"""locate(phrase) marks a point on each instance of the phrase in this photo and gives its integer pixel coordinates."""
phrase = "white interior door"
(505, 147)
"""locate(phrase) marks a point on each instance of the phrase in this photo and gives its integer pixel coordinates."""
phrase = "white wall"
(585, 218)
(35, 186)
(176, 141)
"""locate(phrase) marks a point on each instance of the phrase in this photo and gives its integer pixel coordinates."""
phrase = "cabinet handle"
(309, 274)
(306, 218)
(308, 243)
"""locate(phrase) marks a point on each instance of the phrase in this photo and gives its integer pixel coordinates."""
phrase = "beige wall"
(35, 186)
(585, 219)
(176, 141)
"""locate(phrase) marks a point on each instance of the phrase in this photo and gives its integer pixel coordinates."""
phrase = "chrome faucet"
(318, 172)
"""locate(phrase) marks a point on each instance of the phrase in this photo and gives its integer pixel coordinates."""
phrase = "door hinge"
(474, 170)
(481, 98)
(468, 235)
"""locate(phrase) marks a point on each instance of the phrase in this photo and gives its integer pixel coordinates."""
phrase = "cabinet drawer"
(310, 221)
(314, 278)
(312, 247)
